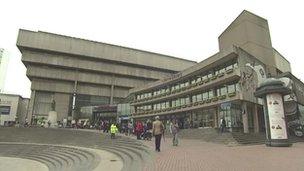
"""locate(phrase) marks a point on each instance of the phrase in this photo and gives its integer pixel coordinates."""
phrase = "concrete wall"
(18, 107)
(83, 76)
(12, 101)
(23, 109)
(76, 46)
(249, 78)
(281, 63)
(73, 62)
(62, 105)
(251, 33)
(55, 63)
(202, 66)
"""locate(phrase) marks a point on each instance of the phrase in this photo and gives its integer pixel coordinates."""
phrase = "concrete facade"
(62, 67)
(221, 86)
(13, 108)
(4, 57)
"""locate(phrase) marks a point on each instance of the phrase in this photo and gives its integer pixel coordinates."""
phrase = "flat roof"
(15, 95)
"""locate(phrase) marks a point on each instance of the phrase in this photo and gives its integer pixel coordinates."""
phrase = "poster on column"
(276, 116)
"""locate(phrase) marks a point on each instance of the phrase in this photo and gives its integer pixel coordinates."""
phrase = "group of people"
(144, 130)
(158, 130)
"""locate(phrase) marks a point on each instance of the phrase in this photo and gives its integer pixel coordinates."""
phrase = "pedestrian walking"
(130, 128)
(157, 130)
(113, 130)
(174, 129)
(139, 129)
(223, 124)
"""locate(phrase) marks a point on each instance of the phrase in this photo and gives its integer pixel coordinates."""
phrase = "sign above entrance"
(105, 108)
(226, 105)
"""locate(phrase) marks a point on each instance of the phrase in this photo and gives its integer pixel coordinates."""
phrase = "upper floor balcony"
(210, 102)
(216, 80)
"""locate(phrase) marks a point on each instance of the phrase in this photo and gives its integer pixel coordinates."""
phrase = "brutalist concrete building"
(223, 85)
(64, 68)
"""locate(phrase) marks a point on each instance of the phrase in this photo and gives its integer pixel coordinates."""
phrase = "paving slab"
(196, 155)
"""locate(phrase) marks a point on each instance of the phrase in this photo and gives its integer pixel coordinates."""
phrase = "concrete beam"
(82, 76)
(72, 62)
(68, 87)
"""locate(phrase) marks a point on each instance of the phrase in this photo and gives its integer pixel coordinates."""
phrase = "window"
(173, 103)
(187, 100)
(229, 67)
(193, 81)
(235, 65)
(194, 99)
(167, 104)
(231, 88)
(237, 87)
(154, 106)
(205, 95)
(172, 88)
(178, 103)
(5, 110)
(223, 90)
(199, 97)
(167, 89)
(183, 101)
(210, 94)
(222, 70)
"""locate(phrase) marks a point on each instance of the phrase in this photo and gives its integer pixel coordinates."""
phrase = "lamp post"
(272, 91)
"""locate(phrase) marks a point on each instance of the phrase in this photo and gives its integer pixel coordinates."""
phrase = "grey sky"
(186, 29)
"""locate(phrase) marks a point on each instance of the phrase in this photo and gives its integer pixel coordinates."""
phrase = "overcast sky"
(186, 29)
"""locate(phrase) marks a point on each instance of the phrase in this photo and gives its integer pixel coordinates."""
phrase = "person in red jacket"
(139, 129)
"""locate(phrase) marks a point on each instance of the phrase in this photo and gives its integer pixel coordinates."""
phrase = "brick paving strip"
(202, 156)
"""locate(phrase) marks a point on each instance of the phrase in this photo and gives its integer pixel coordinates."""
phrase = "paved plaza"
(198, 155)
(61, 149)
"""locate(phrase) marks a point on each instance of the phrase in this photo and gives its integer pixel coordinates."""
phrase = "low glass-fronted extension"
(200, 98)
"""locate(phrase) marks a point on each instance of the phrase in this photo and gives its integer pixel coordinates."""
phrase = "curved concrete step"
(55, 157)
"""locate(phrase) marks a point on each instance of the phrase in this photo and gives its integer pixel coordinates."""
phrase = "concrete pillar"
(112, 89)
(112, 94)
(245, 117)
(256, 119)
(216, 118)
(31, 106)
(74, 99)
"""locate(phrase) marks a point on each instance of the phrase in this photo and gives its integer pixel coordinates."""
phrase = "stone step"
(58, 165)
(50, 164)
(131, 160)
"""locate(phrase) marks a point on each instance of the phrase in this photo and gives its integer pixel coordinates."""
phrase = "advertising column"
(272, 91)
(276, 116)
